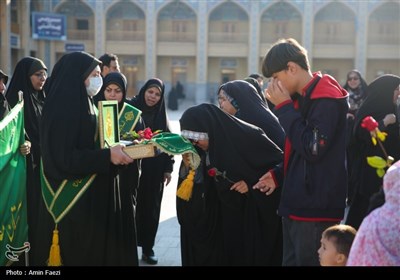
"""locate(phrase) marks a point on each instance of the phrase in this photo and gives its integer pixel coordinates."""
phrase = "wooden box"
(109, 130)
(140, 151)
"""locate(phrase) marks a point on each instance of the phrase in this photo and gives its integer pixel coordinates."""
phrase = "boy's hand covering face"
(276, 92)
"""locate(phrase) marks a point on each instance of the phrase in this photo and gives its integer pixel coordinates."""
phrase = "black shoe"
(150, 258)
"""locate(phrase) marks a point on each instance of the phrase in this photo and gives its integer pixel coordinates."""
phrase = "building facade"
(204, 43)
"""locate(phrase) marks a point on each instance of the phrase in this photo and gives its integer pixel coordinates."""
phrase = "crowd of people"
(280, 164)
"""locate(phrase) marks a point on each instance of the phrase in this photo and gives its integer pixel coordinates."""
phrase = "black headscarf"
(253, 110)
(33, 100)
(113, 78)
(255, 84)
(154, 117)
(66, 112)
(239, 148)
(20, 80)
(379, 101)
(378, 104)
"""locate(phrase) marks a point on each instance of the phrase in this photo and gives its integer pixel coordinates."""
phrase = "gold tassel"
(186, 187)
(55, 255)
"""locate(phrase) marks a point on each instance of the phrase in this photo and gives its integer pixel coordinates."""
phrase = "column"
(25, 35)
(150, 40)
(361, 38)
(5, 25)
(99, 28)
(254, 44)
(45, 47)
(201, 63)
(308, 25)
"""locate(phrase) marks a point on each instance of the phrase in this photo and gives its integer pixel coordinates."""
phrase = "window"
(14, 11)
(228, 63)
(179, 26)
(229, 27)
(331, 29)
(130, 25)
(281, 28)
(82, 24)
(386, 28)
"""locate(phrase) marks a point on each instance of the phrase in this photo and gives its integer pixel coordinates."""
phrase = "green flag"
(13, 220)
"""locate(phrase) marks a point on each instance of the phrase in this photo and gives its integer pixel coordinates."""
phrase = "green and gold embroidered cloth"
(175, 144)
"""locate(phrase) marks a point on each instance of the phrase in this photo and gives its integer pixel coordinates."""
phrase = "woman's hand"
(25, 148)
(186, 159)
(118, 156)
(389, 119)
(266, 184)
(167, 178)
(350, 116)
(240, 186)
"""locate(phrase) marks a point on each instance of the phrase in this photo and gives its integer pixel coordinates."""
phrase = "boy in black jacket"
(312, 109)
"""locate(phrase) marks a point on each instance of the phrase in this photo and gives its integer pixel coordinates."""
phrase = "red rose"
(369, 123)
(147, 133)
(212, 172)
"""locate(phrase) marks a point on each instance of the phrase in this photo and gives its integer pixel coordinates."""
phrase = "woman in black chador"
(381, 105)
(226, 221)
(357, 89)
(127, 181)
(89, 226)
(239, 98)
(29, 77)
(173, 99)
(155, 171)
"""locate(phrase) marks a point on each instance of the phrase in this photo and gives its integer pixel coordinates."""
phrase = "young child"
(335, 245)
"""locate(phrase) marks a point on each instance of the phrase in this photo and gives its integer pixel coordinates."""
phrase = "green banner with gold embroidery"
(13, 219)
(127, 118)
(174, 144)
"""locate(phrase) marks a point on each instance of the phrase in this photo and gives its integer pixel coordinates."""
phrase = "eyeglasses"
(353, 78)
(41, 75)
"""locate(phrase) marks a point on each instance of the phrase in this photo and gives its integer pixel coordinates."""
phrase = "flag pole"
(21, 98)
(26, 257)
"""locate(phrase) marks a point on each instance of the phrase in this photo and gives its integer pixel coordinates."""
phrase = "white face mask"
(95, 84)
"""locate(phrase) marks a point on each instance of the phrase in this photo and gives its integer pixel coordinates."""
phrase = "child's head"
(283, 52)
(335, 245)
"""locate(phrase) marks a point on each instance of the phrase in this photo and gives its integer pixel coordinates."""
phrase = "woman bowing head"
(239, 153)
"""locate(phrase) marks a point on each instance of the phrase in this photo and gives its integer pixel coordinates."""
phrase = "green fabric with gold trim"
(13, 207)
(59, 203)
(175, 144)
